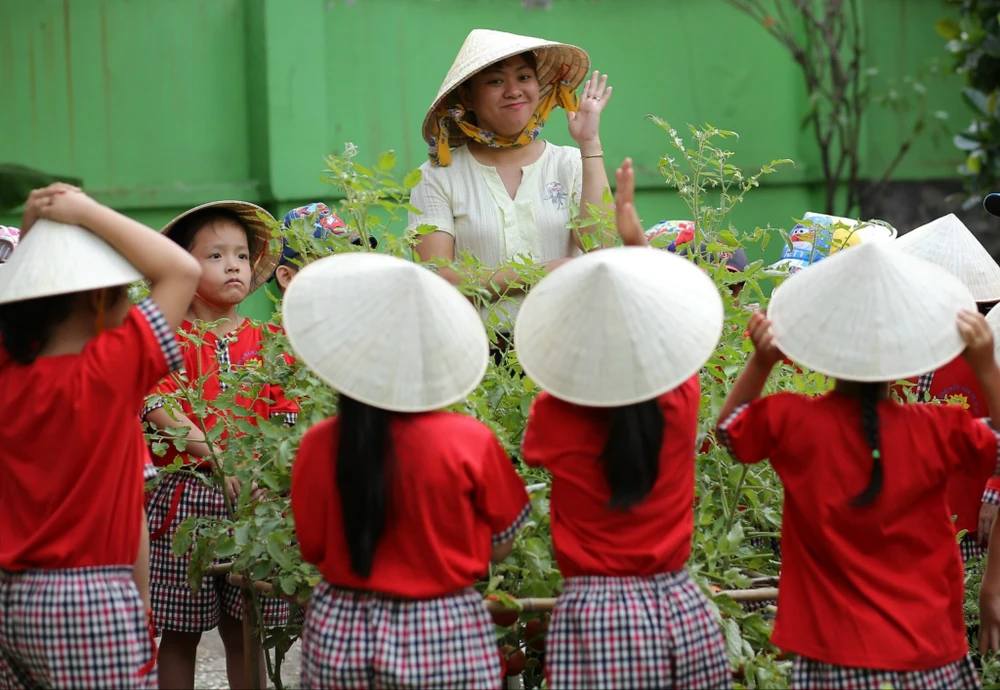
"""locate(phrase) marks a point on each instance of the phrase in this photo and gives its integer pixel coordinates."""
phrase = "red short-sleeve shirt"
(455, 494)
(955, 383)
(72, 453)
(588, 538)
(879, 586)
(240, 348)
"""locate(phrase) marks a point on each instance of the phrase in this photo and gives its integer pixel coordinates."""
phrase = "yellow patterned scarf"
(445, 116)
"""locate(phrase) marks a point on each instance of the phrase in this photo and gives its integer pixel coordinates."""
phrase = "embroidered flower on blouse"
(556, 193)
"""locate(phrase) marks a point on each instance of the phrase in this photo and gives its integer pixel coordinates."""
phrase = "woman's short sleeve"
(433, 199)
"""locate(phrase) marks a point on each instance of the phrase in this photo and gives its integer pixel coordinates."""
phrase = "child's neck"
(853, 389)
(71, 336)
(226, 315)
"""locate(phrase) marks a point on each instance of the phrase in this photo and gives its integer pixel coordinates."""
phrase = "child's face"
(222, 249)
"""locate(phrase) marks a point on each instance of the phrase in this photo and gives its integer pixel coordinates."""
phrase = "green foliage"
(974, 43)
(737, 511)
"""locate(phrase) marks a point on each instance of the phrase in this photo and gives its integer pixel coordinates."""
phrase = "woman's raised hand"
(585, 124)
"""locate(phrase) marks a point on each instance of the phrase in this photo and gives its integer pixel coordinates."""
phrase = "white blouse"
(468, 201)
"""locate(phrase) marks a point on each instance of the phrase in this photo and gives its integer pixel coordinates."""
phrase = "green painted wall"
(161, 105)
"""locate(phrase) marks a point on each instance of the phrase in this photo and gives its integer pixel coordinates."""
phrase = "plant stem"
(731, 517)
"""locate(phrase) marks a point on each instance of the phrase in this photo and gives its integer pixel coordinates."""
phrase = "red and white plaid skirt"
(635, 632)
(971, 550)
(178, 496)
(74, 628)
(361, 640)
(808, 674)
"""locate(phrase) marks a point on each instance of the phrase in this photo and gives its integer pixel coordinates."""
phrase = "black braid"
(869, 425)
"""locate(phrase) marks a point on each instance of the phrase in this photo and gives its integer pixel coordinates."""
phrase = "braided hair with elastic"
(870, 427)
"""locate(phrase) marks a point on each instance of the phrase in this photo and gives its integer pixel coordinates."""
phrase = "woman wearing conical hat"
(871, 581)
(948, 243)
(492, 187)
(400, 504)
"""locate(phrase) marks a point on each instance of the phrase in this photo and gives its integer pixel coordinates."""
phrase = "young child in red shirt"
(616, 427)
(871, 588)
(231, 243)
(76, 362)
(400, 505)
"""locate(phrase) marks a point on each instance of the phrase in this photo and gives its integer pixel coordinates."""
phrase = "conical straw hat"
(263, 265)
(618, 326)
(386, 332)
(56, 259)
(870, 313)
(484, 47)
(949, 244)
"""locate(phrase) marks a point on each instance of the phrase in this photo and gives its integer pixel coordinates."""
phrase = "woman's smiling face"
(503, 96)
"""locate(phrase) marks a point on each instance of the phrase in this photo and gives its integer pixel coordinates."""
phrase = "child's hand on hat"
(978, 337)
(62, 203)
(39, 199)
(627, 220)
(766, 353)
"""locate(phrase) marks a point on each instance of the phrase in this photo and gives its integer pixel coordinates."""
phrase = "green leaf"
(278, 552)
(978, 100)
(288, 585)
(226, 548)
(387, 161)
(734, 641)
(947, 28)
(262, 570)
(412, 178)
(183, 536)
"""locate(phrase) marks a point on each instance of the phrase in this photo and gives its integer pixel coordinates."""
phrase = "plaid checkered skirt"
(808, 674)
(363, 640)
(971, 550)
(635, 632)
(74, 628)
(178, 496)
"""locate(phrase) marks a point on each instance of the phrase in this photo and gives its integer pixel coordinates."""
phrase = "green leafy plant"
(974, 43)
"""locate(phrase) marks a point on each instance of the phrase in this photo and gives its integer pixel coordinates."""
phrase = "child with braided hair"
(872, 581)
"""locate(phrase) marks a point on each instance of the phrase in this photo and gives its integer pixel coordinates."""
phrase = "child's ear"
(95, 301)
(284, 275)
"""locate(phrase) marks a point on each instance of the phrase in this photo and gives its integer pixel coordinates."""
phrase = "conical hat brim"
(948, 243)
(57, 259)
(484, 47)
(265, 263)
(618, 326)
(386, 332)
(870, 313)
